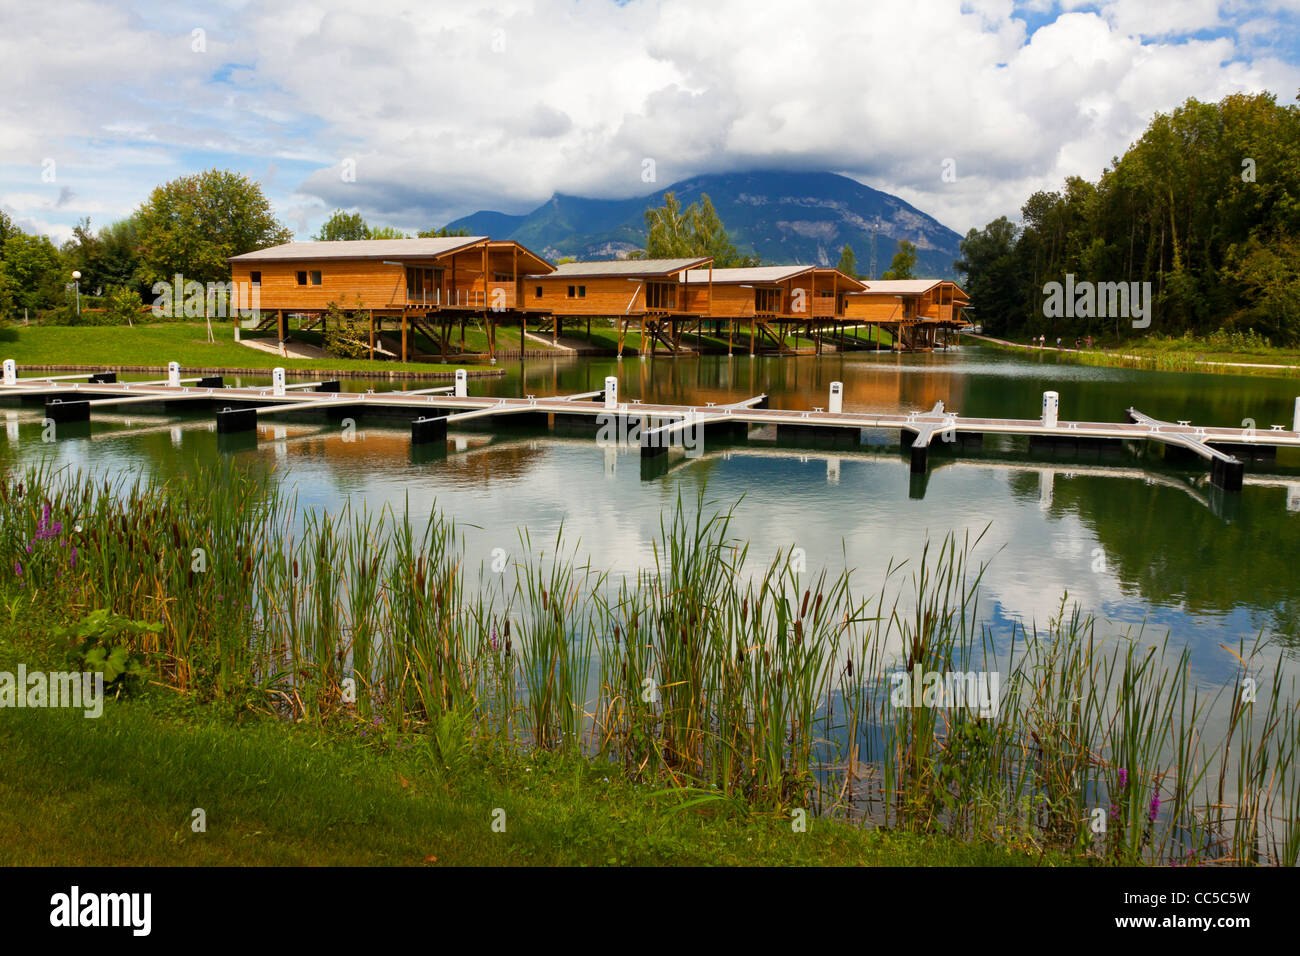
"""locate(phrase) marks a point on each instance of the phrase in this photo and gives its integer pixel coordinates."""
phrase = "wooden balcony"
(500, 296)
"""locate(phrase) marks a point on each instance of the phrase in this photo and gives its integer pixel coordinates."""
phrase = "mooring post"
(277, 381)
(1051, 406)
(462, 383)
(11, 378)
(835, 405)
(1295, 419)
(611, 392)
(174, 374)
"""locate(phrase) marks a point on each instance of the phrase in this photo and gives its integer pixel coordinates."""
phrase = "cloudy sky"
(415, 113)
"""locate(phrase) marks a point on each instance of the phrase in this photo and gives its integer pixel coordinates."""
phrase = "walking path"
(1124, 355)
(290, 349)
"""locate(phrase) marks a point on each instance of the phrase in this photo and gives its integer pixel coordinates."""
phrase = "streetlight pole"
(76, 277)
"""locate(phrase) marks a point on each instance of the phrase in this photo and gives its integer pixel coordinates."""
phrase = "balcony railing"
(500, 295)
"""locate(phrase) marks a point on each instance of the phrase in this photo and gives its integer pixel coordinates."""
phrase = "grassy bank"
(120, 790)
(758, 691)
(1247, 356)
(156, 345)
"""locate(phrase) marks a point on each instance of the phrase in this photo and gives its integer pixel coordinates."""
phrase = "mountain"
(783, 217)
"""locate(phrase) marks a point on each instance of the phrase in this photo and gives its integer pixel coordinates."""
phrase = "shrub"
(346, 335)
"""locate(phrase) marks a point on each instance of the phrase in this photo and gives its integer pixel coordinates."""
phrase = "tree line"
(1204, 206)
(192, 225)
(188, 226)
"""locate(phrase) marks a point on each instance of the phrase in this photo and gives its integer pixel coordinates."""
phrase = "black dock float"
(521, 420)
(103, 378)
(725, 431)
(819, 436)
(426, 430)
(653, 446)
(1227, 473)
(577, 424)
(58, 411)
(212, 381)
(232, 420)
(920, 458)
(331, 386)
(1247, 452)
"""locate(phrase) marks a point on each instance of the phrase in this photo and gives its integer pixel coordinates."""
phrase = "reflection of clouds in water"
(1037, 546)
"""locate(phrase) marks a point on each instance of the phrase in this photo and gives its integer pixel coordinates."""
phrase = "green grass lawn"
(156, 345)
(1183, 354)
(121, 790)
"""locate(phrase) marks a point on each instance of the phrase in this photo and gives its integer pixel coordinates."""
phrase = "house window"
(302, 278)
(577, 292)
(660, 295)
(539, 292)
(315, 278)
(767, 300)
(255, 278)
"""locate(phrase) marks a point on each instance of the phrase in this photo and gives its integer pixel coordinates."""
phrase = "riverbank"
(1167, 356)
(148, 348)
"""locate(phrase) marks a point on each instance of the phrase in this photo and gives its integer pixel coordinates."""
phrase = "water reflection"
(1135, 542)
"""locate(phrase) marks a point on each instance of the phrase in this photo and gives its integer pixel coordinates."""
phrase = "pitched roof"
(361, 249)
(759, 274)
(625, 267)
(909, 286)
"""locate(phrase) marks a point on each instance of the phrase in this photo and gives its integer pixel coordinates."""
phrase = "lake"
(1145, 547)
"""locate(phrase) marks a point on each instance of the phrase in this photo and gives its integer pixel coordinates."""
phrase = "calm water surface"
(1144, 547)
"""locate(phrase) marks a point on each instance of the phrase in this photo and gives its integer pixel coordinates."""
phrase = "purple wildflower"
(1123, 778)
(495, 643)
(44, 529)
(1155, 806)
(1114, 811)
(18, 569)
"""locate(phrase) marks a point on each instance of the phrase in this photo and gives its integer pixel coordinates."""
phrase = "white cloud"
(454, 107)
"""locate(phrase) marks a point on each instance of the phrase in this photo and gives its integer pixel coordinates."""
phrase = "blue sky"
(417, 114)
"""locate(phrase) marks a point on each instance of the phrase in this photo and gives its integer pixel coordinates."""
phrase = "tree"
(346, 334)
(342, 226)
(903, 265)
(676, 233)
(35, 271)
(7, 300)
(848, 263)
(7, 229)
(386, 232)
(443, 233)
(992, 275)
(109, 258)
(122, 305)
(193, 224)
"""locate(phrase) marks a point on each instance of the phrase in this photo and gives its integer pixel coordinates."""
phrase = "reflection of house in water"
(475, 456)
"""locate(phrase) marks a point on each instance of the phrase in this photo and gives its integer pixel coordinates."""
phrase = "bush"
(346, 335)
